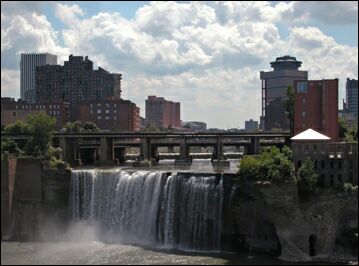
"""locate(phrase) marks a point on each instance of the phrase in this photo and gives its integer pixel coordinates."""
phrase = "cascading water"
(150, 208)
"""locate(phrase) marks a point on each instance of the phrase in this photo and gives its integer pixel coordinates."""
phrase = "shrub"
(271, 165)
(307, 177)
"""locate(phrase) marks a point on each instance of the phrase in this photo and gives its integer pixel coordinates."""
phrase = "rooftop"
(310, 134)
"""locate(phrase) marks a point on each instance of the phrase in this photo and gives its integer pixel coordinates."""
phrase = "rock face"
(271, 218)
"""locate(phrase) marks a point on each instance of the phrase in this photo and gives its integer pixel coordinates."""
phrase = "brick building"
(111, 114)
(316, 107)
(335, 162)
(163, 113)
(12, 110)
(76, 81)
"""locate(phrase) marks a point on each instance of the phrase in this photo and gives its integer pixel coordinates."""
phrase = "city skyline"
(205, 55)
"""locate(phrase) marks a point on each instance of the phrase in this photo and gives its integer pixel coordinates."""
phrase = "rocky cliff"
(272, 218)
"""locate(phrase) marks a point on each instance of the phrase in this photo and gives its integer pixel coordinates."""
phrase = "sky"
(206, 55)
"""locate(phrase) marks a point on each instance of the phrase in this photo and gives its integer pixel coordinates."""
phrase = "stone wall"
(38, 207)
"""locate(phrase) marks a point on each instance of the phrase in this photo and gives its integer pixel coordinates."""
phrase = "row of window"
(106, 104)
(54, 112)
(37, 106)
(106, 118)
(332, 164)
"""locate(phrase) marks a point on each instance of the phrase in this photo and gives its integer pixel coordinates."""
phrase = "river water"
(92, 252)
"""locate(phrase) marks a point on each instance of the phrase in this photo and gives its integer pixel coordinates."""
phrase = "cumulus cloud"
(207, 55)
(10, 83)
(329, 12)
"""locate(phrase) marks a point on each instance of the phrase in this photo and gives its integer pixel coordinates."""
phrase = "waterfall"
(150, 208)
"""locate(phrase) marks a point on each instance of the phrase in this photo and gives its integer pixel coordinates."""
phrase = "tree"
(10, 146)
(19, 127)
(151, 128)
(81, 127)
(289, 107)
(307, 177)
(42, 128)
(272, 165)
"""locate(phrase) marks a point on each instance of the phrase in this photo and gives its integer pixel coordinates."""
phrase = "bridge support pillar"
(220, 159)
(171, 149)
(106, 149)
(145, 149)
(183, 157)
(254, 146)
(67, 151)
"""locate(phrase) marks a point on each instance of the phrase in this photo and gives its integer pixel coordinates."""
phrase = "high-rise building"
(163, 113)
(110, 114)
(251, 125)
(351, 105)
(316, 106)
(76, 81)
(28, 65)
(274, 88)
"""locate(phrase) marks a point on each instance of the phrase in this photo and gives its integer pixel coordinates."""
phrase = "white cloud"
(10, 83)
(207, 55)
(68, 14)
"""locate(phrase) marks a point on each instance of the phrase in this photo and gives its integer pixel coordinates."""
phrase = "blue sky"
(207, 55)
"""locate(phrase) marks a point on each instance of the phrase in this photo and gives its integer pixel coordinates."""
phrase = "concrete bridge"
(112, 146)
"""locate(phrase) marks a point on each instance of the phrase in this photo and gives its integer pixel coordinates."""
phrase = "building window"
(14, 113)
(331, 165)
(339, 165)
(99, 111)
(304, 101)
(340, 178)
(91, 105)
(16, 107)
(107, 118)
(303, 114)
(91, 111)
(107, 111)
(332, 180)
(50, 106)
(114, 118)
(114, 105)
(323, 164)
(115, 111)
(302, 87)
(99, 117)
(303, 125)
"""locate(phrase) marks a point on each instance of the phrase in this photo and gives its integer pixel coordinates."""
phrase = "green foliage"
(151, 128)
(9, 146)
(42, 128)
(53, 153)
(81, 127)
(289, 107)
(272, 165)
(348, 134)
(307, 178)
(351, 134)
(19, 127)
(349, 188)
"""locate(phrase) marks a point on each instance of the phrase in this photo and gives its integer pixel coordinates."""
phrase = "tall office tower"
(163, 113)
(28, 64)
(316, 107)
(352, 96)
(76, 81)
(274, 88)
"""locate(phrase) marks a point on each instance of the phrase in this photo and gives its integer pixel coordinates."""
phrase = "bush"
(19, 127)
(307, 177)
(272, 165)
(9, 146)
